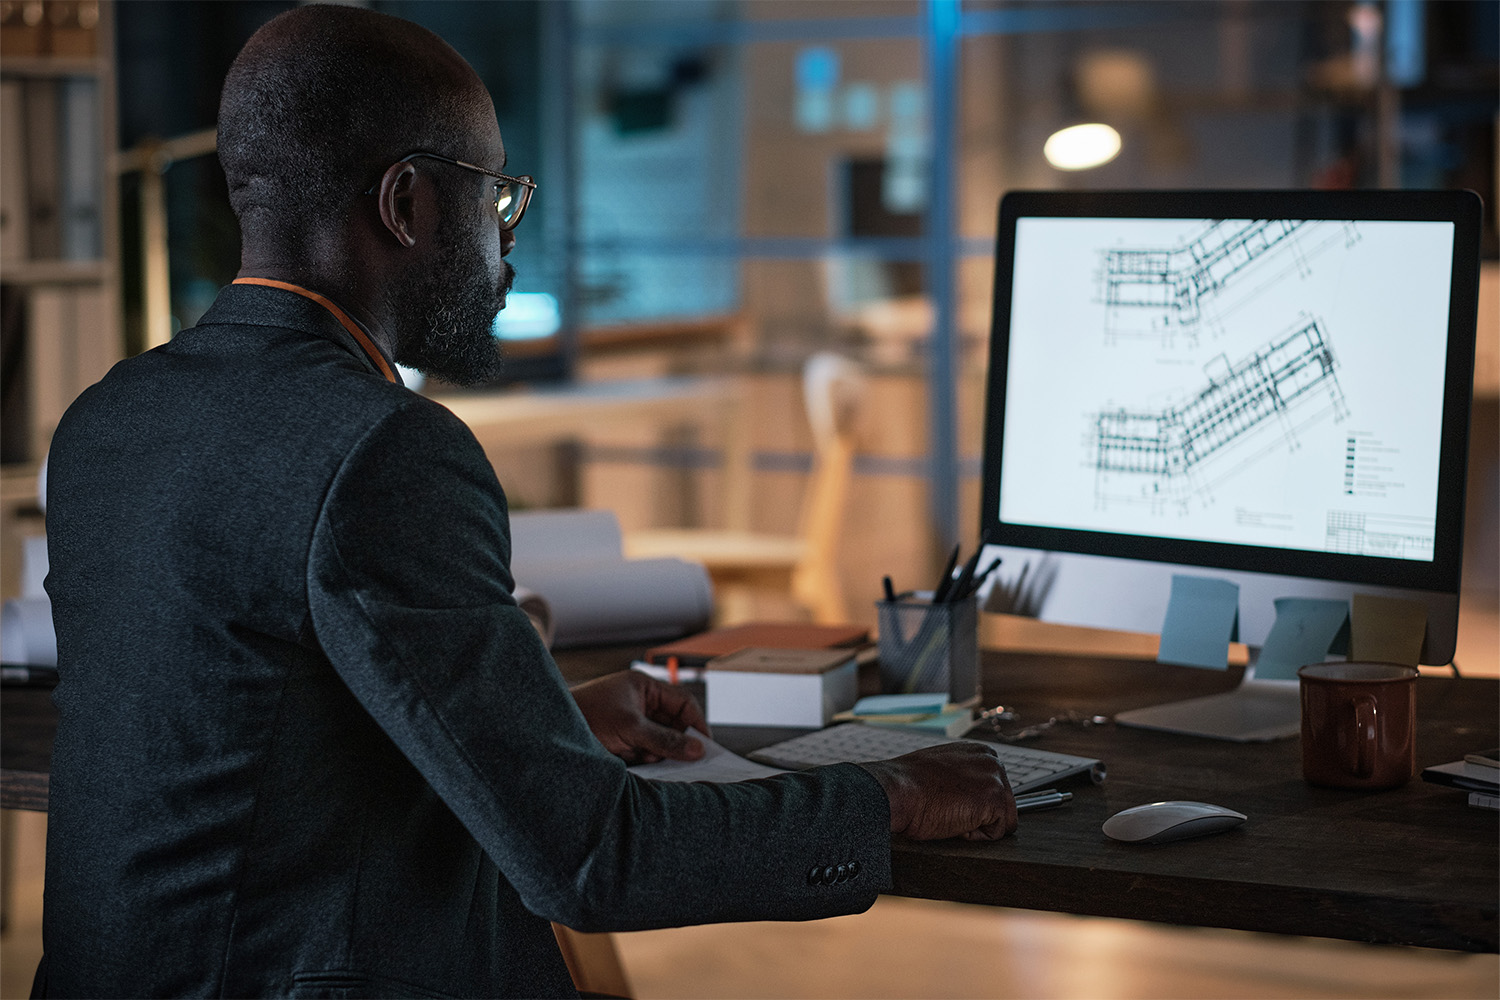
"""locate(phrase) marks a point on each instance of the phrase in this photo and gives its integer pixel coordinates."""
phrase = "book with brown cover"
(696, 650)
(759, 660)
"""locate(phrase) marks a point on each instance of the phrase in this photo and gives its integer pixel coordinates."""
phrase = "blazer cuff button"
(843, 875)
(815, 877)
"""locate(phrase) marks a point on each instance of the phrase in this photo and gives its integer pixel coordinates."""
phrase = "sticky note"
(901, 704)
(1387, 629)
(1202, 618)
(1303, 633)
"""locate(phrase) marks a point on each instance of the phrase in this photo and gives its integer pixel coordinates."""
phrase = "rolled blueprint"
(641, 600)
(573, 560)
(26, 634)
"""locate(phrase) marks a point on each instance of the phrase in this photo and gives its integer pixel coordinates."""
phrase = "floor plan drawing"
(1249, 408)
(1166, 292)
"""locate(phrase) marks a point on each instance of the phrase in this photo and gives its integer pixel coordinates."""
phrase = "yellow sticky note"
(1386, 629)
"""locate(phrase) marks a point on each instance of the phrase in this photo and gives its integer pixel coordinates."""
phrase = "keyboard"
(1027, 767)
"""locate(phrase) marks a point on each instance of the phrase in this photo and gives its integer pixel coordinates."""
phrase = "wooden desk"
(582, 410)
(1413, 866)
(28, 721)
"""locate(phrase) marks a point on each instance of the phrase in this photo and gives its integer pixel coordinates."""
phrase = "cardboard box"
(781, 687)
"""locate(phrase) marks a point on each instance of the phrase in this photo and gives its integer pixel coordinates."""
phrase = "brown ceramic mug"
(1359, 724)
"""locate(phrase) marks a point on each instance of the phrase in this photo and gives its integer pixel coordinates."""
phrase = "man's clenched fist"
(953, 790)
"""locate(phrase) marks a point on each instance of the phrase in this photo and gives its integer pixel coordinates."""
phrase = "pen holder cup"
(930, 647)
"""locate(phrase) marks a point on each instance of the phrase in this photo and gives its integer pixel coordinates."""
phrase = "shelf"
(54, 272)
(18, 483)
(53, 66)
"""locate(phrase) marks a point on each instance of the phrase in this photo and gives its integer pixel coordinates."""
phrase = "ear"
(397, 196)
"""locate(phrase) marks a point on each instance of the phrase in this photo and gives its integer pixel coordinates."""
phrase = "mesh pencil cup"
(929, 648)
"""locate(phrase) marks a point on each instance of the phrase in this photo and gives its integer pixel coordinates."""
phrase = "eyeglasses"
(512, 194)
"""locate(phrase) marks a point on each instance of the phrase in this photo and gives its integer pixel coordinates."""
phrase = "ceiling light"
(1082, 146)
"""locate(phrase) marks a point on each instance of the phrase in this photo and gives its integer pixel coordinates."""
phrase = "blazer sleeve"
(409, 591)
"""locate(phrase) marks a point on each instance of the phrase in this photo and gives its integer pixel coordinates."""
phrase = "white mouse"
(1162, 822)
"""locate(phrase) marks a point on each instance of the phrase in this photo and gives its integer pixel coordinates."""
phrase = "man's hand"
(952, 790)
(640, 719)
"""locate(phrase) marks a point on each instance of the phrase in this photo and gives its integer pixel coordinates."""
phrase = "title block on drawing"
(781, 687)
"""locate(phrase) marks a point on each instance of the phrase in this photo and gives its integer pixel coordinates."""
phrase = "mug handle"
(1365, 715)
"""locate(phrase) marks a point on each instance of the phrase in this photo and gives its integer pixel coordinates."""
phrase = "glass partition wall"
(825, 173)
(831, 170)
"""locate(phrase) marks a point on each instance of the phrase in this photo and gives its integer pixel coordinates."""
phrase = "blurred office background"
(727, 188)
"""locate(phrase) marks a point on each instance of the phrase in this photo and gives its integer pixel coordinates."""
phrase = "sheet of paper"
(1387, 629)
(1201, 618)
(716, 764)
(1302, 633)
(684, 674)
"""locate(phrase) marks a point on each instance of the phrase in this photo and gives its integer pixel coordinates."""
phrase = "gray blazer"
(308, 744)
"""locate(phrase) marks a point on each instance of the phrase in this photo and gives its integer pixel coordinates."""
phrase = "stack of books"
(767, 673)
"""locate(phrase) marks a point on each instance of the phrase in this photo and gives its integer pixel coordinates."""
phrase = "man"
(308, 745)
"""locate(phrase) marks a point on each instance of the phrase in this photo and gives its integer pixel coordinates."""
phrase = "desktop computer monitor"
(1270, 388)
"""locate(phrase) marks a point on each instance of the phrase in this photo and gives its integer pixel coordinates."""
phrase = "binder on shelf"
(96, 339)
(43, 149)
(70, 345)
(15, 210)
(15, 394)
(80, 197)
(47, 355)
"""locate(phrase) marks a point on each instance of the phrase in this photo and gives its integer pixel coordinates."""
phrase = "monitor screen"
(1272, 387)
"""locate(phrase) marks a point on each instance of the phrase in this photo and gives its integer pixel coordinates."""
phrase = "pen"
(890, 590)
(965, 577)
(672, 669)
(965, 585)
(945, 582)
(1044, 799)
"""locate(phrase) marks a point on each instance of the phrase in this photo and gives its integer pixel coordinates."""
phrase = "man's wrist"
(897, 787)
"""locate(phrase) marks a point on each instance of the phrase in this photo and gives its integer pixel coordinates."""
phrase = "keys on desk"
(1027, 767)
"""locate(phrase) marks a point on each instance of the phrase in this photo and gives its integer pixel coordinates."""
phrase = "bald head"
(322, 98)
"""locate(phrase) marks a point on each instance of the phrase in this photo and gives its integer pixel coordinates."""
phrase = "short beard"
(452, 308)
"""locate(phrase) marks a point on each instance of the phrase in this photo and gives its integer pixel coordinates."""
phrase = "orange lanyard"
(359, 335)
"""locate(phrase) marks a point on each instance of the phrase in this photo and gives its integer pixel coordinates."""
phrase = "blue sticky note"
(900, 704)
(1303, 633)
(1202, 618)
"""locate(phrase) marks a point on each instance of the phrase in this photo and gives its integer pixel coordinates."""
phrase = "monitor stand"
(1255, 712)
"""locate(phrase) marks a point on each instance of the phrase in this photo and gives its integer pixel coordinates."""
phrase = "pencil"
(672, 669)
